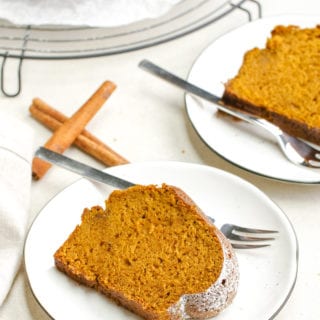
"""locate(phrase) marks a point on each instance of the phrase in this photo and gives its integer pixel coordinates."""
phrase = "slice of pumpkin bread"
(281, 81)
(154, 252)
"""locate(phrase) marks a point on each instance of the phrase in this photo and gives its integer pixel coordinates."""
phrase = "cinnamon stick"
(67, 133)
(86, 141)
(54, 114)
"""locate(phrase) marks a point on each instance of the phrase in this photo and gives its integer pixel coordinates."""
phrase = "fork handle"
(191, 88)
(82, 169)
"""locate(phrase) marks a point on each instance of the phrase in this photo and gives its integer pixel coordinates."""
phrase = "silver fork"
(242, 238)
(230, 231)
(296, 150)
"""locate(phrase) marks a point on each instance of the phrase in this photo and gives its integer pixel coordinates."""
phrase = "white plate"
(240, 143)
(267, 275)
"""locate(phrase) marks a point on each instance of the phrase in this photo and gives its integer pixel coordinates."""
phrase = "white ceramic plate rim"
(249, 148)
(52, 289)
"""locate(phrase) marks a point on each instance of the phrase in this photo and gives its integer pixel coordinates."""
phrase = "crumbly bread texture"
(281, 81)
(153, 251)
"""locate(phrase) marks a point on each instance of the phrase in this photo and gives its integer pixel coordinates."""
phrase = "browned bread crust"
(281, 82)
(154, 252)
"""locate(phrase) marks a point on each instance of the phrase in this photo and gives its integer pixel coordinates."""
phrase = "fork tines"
(252, 230)
(241, 238)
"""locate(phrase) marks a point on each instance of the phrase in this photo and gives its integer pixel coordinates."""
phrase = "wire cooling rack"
(66, 42)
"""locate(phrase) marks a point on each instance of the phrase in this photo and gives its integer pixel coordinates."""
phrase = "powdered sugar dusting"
(94, 13)
(217, 297)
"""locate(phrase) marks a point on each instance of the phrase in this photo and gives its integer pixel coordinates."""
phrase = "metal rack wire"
(65, 42)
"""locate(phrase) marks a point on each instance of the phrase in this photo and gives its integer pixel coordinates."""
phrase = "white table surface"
(145, 120)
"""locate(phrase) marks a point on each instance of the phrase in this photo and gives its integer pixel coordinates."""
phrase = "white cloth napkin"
(97, 13)
(16, 140)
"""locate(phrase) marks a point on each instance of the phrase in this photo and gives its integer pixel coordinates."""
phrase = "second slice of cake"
(281, 81)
